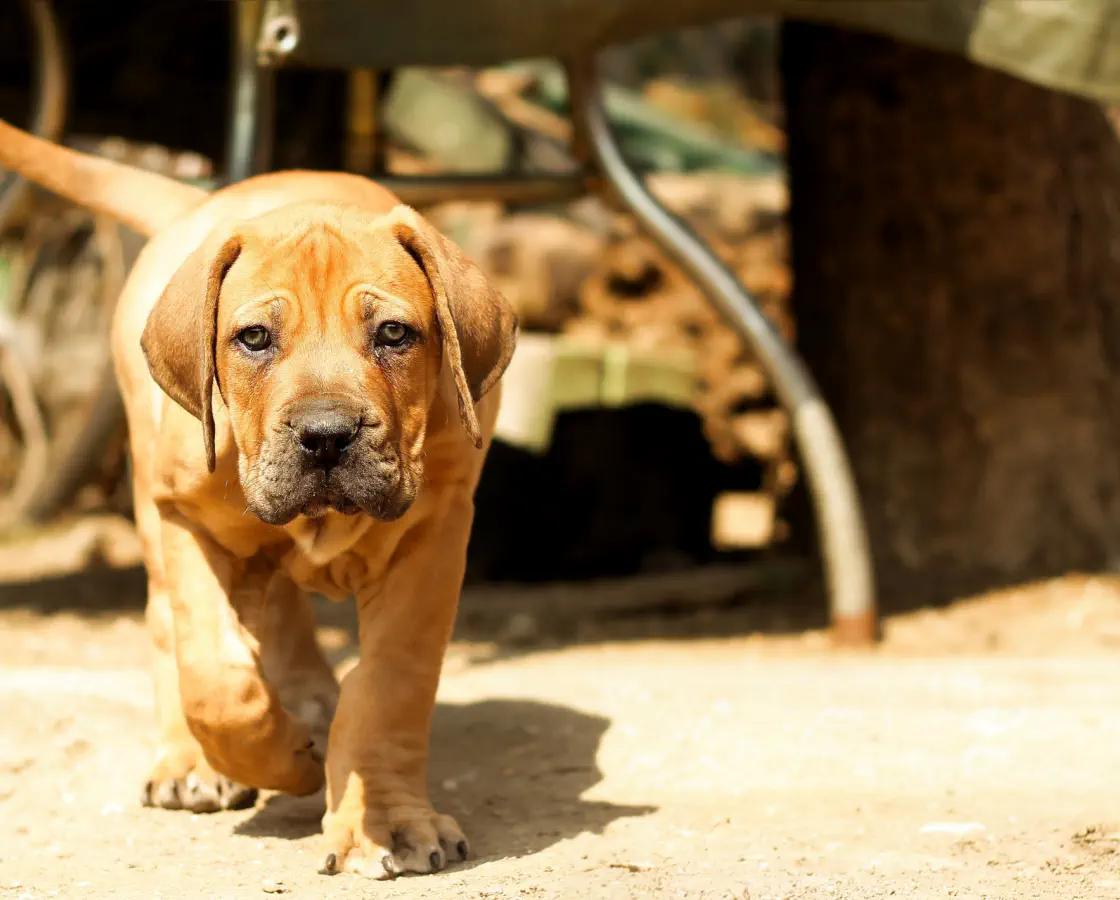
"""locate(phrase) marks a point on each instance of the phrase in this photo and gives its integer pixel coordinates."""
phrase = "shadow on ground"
(92, 592)
(767, 595)
(780, 595)
(511, 620)
(513, 772)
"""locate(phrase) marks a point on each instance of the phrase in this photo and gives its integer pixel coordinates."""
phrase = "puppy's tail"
(144, 201)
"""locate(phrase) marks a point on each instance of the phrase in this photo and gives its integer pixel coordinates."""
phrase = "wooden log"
(538, 263)
(742, 520)
(763, 434)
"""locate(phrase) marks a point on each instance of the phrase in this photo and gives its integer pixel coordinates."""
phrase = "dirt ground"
(973, 755)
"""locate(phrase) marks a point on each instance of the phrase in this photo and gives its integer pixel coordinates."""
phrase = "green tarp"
(1070, 45)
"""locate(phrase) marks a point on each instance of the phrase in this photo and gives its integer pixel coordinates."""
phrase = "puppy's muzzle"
(325, 436)
(329, 453)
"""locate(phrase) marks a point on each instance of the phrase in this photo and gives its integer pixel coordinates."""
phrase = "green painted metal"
(653, 139)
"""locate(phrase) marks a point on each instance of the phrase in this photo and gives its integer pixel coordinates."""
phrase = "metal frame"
(251, 113)
(843, 537)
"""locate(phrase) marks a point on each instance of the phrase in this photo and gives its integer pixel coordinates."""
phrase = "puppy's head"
(326, 331)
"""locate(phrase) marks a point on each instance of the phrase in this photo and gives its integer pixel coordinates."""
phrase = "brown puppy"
(307, 368)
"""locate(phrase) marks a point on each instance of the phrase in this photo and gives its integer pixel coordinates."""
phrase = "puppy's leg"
(220, 614)
(293, 661)
(180, 777)
(379, 821)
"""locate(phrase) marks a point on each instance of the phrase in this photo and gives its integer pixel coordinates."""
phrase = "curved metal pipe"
(50, 96)
(844, 545)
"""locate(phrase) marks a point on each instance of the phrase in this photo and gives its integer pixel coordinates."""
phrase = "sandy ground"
(974, 755)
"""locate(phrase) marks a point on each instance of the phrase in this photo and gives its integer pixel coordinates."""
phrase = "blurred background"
(675, 458)
(921, 228)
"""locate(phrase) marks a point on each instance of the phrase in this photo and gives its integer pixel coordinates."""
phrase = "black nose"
(324, 436)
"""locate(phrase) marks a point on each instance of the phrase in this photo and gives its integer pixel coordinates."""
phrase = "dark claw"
(330, 865)
(167, 795)
(146, 794)
(463, 849)
(388, 865)
(236, 796)
(435, 861)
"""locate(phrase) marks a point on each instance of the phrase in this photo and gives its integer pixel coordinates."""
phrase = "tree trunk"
(956, 254)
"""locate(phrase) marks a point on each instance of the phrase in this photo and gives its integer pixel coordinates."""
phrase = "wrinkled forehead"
(311, 257)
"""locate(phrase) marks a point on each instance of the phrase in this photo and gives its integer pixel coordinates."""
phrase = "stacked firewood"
(592, 275)
(634, 293)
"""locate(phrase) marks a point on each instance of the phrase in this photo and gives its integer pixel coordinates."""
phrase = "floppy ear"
(178, 339)
(478, 325)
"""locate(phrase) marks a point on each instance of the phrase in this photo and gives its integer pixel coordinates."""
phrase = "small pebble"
(273, 887)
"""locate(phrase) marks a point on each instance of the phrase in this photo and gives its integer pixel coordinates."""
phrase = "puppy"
(310, 376)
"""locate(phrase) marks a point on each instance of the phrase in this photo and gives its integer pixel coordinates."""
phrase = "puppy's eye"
(392, 334)
(255, 338)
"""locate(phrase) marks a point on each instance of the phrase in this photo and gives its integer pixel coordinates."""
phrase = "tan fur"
(144, 201)
(244, 695)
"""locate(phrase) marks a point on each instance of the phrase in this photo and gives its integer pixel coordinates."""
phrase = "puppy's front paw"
(193, 785)
(385, 843)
